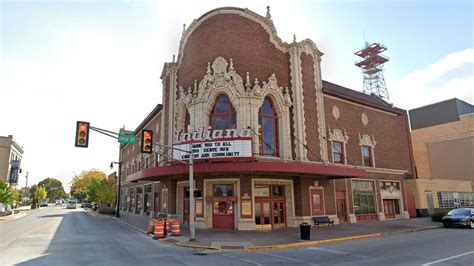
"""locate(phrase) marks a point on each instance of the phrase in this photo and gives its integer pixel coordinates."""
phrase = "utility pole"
(26, 177)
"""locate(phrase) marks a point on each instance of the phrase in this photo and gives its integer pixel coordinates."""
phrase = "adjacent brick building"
(443, 145)
(273, 144)
(10, 152)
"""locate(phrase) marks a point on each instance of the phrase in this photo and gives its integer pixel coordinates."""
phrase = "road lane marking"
(279, 256)
(244, 260)
(329, 251)
(445, 259)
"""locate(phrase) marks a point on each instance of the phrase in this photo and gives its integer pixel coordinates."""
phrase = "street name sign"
(130, 139)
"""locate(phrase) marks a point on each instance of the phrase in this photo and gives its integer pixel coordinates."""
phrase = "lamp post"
(117, 212)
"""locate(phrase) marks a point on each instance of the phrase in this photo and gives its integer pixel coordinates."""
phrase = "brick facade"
(216, 53)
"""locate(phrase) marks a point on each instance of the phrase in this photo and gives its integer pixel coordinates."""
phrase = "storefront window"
(268, 127)
(139, 199)
(364, 197)
(455, 199)
(147, 199)
(223, 114)
(223, 190)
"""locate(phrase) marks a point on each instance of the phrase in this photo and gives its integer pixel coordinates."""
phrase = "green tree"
(54, 188)
(80, 183)
(40, 194)
(6, 196)
(100, 190)
(16, 196)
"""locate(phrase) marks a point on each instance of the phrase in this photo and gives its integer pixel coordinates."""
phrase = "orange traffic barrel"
(168, 226)
(175, 228)
(159, 229)
(151, 226)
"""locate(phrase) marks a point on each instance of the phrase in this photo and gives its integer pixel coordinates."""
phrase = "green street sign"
(130, 139)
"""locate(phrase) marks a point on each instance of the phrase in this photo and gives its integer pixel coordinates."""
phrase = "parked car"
(59, 202)
(72, 204)
(86, 204)
(44, 203)
(459, 217)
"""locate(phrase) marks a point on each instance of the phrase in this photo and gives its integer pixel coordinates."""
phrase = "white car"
(71, 204)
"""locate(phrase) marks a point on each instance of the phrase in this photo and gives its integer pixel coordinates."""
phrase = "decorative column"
(298, 104)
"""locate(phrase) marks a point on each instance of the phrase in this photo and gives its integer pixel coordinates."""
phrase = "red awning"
(248, 167)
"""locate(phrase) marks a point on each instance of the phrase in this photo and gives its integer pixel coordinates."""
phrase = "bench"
(322, 220)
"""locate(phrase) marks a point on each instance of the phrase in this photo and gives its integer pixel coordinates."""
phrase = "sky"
(100, 61)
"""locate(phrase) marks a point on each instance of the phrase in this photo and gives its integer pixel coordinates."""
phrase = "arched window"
(268, 129)
(223, 114)
(187, 121)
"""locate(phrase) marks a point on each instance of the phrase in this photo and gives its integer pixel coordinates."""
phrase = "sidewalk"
(283, 238)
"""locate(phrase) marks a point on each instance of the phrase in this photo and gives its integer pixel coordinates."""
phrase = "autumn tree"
(80, 183)
(40, 194)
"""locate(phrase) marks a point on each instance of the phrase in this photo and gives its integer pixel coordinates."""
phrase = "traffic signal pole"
(189, 163)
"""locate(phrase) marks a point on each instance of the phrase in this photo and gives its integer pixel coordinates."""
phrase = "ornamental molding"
(365, 119)
(335, 112)
(338, 135)
(366, 140)
(265, 22)
(224, 77)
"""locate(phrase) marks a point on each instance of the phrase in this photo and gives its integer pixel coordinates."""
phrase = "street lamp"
(117, 212)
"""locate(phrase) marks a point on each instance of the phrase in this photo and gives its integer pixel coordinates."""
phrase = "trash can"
(305, 231)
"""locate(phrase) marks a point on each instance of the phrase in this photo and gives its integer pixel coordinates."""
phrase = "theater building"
(273, 143)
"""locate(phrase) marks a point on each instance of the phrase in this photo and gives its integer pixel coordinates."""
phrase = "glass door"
(262, 215)
(278, 214)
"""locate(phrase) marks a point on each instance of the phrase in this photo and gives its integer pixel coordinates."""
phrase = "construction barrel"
(175, 231)
(159, 229)
(151, 226)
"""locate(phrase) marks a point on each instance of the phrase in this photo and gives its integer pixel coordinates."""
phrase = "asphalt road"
(56, 236)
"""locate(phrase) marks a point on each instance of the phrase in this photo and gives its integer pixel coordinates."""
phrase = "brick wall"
(421, 136)
(236, 37)
(390, 131)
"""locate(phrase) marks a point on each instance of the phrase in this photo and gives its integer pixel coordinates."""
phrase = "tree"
(6, 196)
(80, 183)
(40, 194)
(16, 196)
(54, 188)
(100, 190)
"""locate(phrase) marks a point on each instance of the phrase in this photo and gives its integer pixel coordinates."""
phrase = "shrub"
(110, 211)
(438, 214)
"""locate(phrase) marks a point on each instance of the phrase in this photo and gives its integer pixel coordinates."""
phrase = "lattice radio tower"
(372, 67)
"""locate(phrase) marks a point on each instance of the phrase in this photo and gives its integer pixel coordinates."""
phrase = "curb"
(131, 225)
(312, 243)
(413, 230)
(94, 214)
(186, 245)
(12, 217)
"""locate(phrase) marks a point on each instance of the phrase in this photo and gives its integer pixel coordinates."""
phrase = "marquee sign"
(209, 144)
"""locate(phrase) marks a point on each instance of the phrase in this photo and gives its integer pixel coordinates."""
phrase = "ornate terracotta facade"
(233, 69)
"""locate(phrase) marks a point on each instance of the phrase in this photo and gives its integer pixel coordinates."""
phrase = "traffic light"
(147, 141)
(82, 134)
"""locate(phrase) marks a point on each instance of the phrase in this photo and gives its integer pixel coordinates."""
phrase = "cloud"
(442, 80)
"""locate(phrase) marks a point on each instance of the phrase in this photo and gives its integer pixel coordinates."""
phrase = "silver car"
(71, 204)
